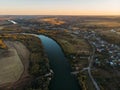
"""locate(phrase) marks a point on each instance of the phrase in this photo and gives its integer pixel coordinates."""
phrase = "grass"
(71, 44)
(38, 64)
(111, 37)
(85, 81)
(104, 23)
(67, 46)
(53, 21)
(1, 27)
(2, 44)
(107, 78)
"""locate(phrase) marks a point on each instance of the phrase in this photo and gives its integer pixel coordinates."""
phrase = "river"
(62, 80)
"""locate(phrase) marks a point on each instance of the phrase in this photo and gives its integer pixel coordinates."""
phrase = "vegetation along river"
(62, 80)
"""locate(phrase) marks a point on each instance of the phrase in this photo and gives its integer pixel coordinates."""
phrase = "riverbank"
(77, 50)
(38, 64)
(62, 79)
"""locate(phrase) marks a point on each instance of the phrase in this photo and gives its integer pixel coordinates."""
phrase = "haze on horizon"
(59, 7)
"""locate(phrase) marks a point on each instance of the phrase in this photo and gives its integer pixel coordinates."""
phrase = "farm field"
(10, 63)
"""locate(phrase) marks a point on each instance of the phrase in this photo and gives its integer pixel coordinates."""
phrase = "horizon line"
(54, 15)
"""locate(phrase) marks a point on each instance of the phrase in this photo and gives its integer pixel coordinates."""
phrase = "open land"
(19, 60)
(11, 65)
(90, 43)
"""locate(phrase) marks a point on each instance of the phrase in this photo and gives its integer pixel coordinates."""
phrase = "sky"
(59, 7)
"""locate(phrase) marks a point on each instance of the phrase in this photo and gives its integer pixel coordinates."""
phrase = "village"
(110, 52)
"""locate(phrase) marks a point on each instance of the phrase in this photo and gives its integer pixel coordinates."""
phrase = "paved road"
(89, 68)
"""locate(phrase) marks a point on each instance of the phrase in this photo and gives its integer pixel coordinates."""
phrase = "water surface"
(62, 80)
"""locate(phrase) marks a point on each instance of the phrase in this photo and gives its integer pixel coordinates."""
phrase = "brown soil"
(23, 54)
